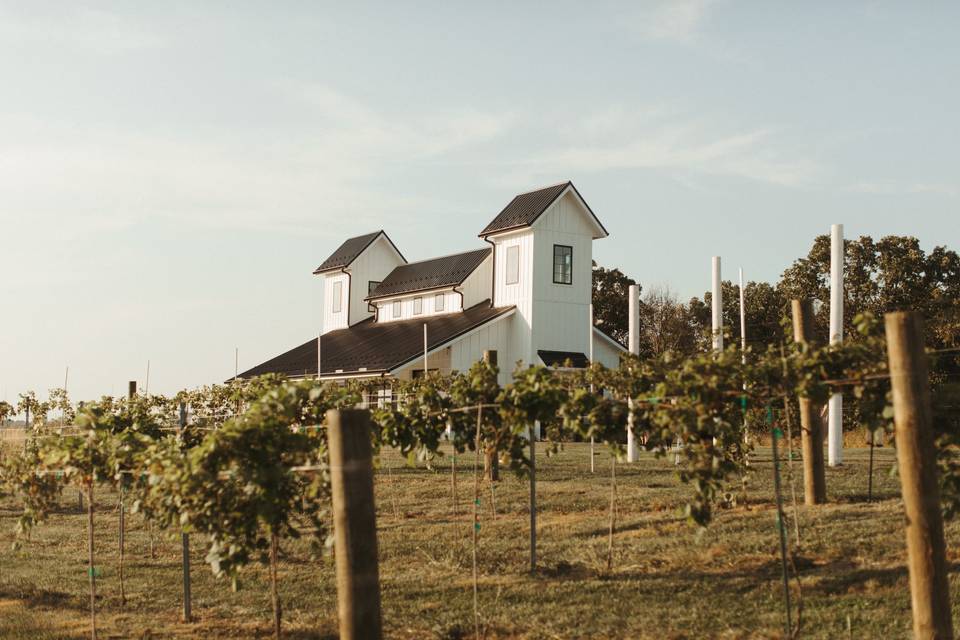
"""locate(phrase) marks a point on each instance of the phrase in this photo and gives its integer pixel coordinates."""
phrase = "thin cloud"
(900, 189)
(673, 20)
(677, 146)
(81, 28)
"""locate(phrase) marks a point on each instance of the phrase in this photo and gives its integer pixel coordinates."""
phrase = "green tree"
(610, 305)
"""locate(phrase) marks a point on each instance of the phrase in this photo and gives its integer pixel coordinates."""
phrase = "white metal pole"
(590, 350)
(146, 383)
(63, 412)
(633, 338)
(835, 416)
(743, 352)
(425, 350)
(717, 307)
(743, 323)
(236, 362)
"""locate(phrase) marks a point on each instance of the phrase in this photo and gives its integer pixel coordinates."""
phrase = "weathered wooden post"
(491, 456)
(185, 537)
(811, 432)
(917, 460)
(533, 500)
(91, 569)
(354, 524)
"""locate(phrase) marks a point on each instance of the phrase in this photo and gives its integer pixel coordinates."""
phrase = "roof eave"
(400, 294)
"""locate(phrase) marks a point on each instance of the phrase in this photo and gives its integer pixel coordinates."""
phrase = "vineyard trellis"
(250, 467)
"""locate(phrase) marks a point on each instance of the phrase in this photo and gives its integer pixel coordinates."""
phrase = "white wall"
(376, 261)
(604, 352)
(561, 311)
(451, 304)
(478, 285)
(437, 360)
(497, 336)
(331, 320)
(519, 294)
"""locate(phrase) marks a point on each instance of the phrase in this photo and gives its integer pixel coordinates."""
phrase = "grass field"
(669, 580)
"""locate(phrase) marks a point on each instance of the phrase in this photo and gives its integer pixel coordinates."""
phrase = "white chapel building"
(524, 293)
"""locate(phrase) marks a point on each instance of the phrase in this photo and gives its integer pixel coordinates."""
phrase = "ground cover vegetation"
(243, 469)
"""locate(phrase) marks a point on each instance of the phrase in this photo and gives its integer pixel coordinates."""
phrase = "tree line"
(890, 274)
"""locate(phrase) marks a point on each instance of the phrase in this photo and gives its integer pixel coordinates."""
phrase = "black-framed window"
(513, 264)
(438, 302)
(417, 305)
(371, 285)
(562, 264)
(337, 297)
(396, 308)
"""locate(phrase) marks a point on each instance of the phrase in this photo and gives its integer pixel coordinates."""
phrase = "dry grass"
(669, 580)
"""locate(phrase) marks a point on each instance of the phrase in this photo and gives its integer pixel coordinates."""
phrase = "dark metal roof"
(559, 358)
(525, 208)
(377, 346)
(349, 250)
(430, 274)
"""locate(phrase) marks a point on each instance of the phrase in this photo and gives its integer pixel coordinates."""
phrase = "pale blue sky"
(171, 173)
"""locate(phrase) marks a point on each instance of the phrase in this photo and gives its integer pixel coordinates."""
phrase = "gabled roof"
(377, 347)
(445, 271)
(525, 208)
(347, 252)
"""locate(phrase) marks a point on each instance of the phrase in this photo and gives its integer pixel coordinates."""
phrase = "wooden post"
(491, 457)
(90, 566)
(131, 392)
(917, 460)
(354, 524)
(811, 431)
(185, 537)
(533, 500)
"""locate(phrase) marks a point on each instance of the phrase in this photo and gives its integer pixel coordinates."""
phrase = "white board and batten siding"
(438, 360)
(373, 264)
(496, 335)
(428, 305)
(476, 287)
(606, 351)
(519, 293)
(561, 312)
(334, 315)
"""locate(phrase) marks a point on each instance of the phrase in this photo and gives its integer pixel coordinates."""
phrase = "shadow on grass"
(34, 597)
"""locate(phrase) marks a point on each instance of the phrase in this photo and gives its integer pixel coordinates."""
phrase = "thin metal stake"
(777, 433)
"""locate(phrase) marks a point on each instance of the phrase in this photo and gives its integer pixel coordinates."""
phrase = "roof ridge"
(448, 255)
(544, 187)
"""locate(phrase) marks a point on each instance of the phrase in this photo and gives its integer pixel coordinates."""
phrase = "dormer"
(351, 272)
(438, 286)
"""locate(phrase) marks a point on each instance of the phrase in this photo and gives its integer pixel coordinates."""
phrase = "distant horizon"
(172, 175)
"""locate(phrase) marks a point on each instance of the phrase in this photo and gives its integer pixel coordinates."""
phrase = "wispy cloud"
(907, 189)
(672, 20)
(78, 28)
(103, 177)
(655, 139)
